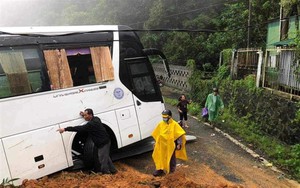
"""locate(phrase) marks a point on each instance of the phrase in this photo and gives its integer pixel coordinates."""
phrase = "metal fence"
(279, 71)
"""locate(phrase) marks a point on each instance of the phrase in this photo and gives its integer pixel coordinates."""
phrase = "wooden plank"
(96, 63)
(64, 69)
(102, 63)
(12, 62)
(52, 58)
(13, 65)
(58, 68)
(19, 83)
(283, 94)
(108, 70)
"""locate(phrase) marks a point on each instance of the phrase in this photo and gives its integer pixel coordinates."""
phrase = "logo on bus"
(78, 91)
(118, 93)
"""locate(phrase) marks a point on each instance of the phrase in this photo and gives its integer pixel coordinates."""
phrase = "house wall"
(292, 28)
(274, 35)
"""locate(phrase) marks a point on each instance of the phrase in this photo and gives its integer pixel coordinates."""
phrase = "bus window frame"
(45, 85)
(146, 62)
(74, 45)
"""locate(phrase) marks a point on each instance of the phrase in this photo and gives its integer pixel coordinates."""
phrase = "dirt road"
(214, 161)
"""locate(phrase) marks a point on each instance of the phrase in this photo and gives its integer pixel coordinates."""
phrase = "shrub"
(270, 123)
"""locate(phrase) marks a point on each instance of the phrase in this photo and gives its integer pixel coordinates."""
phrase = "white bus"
(49, 74)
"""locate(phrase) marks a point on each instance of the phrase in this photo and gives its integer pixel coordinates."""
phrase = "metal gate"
(279, 71)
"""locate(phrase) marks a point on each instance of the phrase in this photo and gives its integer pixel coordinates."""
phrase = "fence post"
(220, 58)
(260, 62)
(232, 64)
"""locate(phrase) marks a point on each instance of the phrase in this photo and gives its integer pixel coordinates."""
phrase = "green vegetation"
(6, 182)
(4, 87)
(297, 117)
(286, 157)
(173, 102)
(247, 115)
(297, 56)
(216, 21)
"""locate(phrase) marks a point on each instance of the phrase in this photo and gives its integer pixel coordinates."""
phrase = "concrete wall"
(179, 76)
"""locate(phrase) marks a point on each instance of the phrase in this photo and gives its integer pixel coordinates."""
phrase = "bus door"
(146, 94)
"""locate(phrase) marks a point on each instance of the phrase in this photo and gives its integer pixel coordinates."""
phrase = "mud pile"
(126, 177)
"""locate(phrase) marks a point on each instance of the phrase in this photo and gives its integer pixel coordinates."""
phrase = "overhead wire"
(259, 25)
(204, 30)
(187, 12)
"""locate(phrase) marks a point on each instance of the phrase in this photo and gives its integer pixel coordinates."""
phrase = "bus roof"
(56, 30)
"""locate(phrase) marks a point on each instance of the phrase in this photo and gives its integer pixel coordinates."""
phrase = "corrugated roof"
(287, 42)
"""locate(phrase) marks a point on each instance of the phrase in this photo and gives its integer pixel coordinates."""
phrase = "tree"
(228, 18)
(289, 8)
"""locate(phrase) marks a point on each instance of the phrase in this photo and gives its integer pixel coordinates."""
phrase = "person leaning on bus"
(103, 163)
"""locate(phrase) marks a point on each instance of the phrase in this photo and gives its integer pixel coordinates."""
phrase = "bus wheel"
(88, 153)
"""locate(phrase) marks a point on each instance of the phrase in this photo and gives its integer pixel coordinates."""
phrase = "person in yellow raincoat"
(170, 141)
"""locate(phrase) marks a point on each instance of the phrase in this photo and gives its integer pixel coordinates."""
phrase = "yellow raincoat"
(165, 135)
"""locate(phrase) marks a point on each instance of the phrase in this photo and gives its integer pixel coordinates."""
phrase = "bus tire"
(88, 153)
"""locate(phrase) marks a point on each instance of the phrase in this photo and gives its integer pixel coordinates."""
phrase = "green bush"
(223, 73)
(226, 54)
(173, 102)
(194, 109)
(199, 88)
(6, 182)
(297, 116)
(293, 161)
(268, 122)
(208, 67)
(287, 157)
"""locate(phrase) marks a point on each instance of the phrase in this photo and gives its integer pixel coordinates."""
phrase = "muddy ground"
(214, 162)
(130, 177)
(135, 172)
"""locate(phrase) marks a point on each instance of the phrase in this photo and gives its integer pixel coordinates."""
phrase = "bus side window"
(81, 66)
(4, 85)
(45, 80)
(19, 72)
(58, 69)
(81, 69)
(90, 65)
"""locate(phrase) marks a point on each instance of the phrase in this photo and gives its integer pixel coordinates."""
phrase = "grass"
(286, 157)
